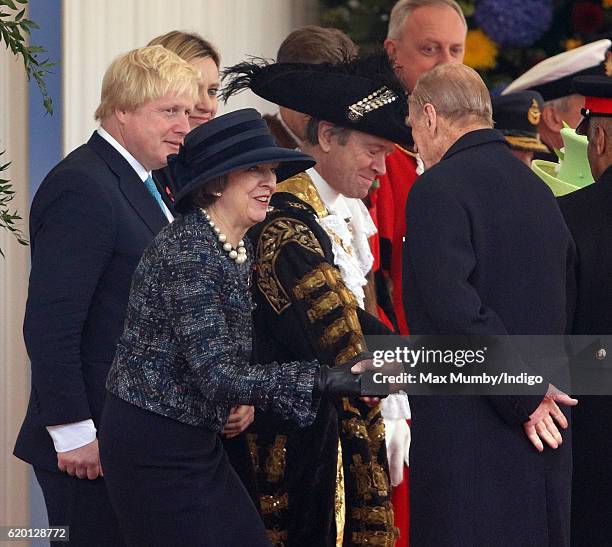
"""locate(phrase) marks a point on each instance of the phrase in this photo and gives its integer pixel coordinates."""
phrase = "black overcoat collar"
(477, 137)
(606, 176)
(131, 186)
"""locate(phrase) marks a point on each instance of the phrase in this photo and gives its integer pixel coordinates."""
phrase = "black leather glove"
(339, 381)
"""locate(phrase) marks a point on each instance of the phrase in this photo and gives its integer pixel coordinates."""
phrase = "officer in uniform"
(588, 214)
(309, 301)
(552, 78)
(517, 116)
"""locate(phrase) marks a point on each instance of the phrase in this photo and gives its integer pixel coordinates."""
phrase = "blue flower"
(514, 23)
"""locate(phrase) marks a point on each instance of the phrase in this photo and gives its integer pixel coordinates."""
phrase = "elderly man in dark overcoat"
(486, 253)
(588, 213)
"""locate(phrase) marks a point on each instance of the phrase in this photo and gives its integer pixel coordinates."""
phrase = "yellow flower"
(480, 50)
(606, 3)
(572, 43)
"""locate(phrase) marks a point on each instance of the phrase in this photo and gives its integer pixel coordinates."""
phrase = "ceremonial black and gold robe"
(304, 310)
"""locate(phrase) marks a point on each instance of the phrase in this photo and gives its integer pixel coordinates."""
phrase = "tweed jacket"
(186, 345)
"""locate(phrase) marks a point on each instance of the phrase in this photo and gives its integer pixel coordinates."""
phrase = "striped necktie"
(154, 192)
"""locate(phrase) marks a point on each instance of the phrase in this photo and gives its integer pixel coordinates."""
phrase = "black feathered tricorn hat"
(362, 94)
(229, 143)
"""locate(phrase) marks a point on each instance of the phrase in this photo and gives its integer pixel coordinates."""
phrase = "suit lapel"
(130, 185)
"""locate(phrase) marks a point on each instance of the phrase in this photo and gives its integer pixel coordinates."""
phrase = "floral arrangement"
(505, 37)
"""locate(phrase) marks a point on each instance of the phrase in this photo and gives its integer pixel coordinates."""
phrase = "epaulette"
(406, 151)
(302, 187)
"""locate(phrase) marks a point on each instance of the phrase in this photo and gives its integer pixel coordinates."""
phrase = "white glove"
(397, 439)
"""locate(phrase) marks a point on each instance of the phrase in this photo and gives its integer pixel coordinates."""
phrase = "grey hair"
(561, 103)
(312, 132)
(403, 8)
(457, 93)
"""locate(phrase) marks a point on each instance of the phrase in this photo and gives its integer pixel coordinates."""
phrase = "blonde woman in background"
(194, 49)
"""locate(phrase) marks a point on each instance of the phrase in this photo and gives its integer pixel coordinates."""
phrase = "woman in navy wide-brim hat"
(183, 359)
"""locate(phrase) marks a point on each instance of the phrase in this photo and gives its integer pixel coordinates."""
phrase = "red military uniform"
(387, 205)
(390, 218)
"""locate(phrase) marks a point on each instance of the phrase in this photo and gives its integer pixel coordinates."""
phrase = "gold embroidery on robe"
(375, 538)
(339, 502)
(377, 515)
(275, 235)
(303, 188)
(253, 451)
(277, 537)
(376, 433)
(326, 303)
(347, 406)
(354, 348)
(362, 476)
(379, 476)
(324, 274)
(355, 427)
(276, 460)
(274, 504)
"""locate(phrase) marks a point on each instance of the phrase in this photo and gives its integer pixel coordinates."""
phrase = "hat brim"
(527, 144)
(582, 127)
(291, 162)
(546, 170)
(312, 90)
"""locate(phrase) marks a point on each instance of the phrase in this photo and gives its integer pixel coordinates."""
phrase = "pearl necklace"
(238, 255)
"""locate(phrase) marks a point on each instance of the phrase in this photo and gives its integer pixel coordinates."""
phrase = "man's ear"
(390, 48)
(431, 118)
(552, 118)
(600, 140)
(121, 115)
(325, 136)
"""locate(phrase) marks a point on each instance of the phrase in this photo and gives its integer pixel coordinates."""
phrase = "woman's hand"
(240, 418)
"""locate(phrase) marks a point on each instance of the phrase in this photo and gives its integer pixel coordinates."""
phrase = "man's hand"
(82, 462)
(240, 418)
(541, 425)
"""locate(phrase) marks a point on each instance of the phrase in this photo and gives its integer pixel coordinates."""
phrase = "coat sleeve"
(72, 238)
(439, 259)
(191, 296)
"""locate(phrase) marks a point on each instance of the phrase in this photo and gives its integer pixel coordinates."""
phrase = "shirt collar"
(142, 173)
(333, 200)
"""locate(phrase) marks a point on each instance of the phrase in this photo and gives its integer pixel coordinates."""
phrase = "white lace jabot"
(349, 226)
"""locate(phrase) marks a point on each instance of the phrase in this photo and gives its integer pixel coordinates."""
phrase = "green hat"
(573, 170)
